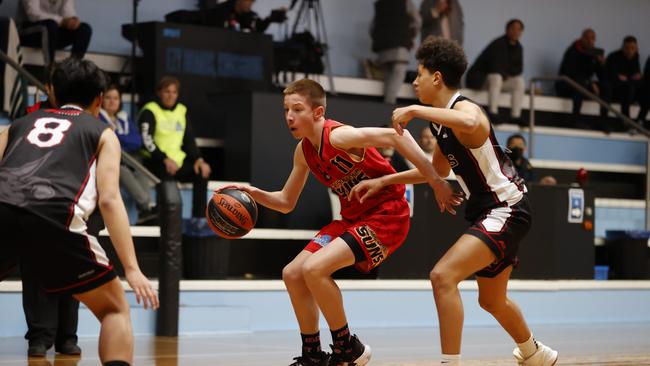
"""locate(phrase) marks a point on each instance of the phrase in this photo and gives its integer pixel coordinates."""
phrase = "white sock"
(528, 348)
(450, 360)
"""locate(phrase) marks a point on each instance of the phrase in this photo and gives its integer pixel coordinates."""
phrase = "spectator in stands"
(50, 319)
(516, 149)
(238, 15)
(499, 68)
(644, 100)
(584, 64)
(127, 132)
(442, 18)
(59, 19)
(396, 160)
(169, 143)
(393, 32)
(427, 143)
(624, 73)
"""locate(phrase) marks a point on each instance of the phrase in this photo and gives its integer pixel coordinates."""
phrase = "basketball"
(231, 213)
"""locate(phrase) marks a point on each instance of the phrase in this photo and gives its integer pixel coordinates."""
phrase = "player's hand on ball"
(144, 291)
(242, 187)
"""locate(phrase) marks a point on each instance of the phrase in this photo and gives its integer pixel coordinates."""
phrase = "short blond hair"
(309, 89)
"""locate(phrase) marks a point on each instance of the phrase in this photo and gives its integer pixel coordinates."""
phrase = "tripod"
(134, 45)
(308, 10)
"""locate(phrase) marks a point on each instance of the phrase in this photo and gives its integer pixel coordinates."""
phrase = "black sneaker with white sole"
(358, 355)
(318, 359)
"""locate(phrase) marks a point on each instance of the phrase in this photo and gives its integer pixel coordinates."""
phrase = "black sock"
(310, 343)
(117, 363)
(341, 338)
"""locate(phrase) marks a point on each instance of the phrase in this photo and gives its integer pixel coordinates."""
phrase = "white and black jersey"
(486, 173)
(49, 166)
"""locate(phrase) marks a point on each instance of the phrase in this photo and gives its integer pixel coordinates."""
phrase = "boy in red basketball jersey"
(497, 206)
(340, 156)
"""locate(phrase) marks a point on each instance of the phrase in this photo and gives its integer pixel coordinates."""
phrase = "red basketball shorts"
(373, 236)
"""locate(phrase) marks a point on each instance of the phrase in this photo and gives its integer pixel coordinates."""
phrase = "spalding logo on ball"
(231, 213)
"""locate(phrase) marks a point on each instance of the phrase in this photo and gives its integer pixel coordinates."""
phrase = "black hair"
(629, 39)
(78, 81)
(513, 21)
(445, 56)
(515, 136)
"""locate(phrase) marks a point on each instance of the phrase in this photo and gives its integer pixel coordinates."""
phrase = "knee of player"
(441, 280)
(491, 305)
(292, 273)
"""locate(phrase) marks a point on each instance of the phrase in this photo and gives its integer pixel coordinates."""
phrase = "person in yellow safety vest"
(169, 144)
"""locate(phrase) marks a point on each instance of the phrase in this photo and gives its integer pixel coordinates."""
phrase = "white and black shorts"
(64, 262)
(501, 229)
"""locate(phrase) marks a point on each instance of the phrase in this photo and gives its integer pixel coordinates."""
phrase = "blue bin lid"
(627, 234)
(197, 227)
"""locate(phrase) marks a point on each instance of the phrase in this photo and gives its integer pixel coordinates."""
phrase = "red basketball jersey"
(339, 171)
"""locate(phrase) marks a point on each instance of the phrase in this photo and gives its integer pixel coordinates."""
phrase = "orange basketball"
(231, 213)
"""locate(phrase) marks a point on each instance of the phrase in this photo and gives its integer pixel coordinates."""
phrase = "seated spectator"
(516, 150)
(238, 15)
(393, 32)
(127, 132)
(584, 64)
(442, 18)
(499, 68)
(169, 144)
(60, 21)
(624, 73)
(396, 160)
(644, 99)
(427, 143)
(548, 180)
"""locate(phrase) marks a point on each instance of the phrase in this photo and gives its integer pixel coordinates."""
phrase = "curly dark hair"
(444, 55)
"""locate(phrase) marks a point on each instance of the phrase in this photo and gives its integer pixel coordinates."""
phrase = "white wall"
(551, 25)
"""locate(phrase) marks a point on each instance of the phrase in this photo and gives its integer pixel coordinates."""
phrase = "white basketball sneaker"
(544, 356)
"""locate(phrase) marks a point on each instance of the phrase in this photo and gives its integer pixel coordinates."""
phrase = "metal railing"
(588, 94)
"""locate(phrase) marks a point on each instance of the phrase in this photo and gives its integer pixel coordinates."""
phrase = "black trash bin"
(205, 255)
(627, 254)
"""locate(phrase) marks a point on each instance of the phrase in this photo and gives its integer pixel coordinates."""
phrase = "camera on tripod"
(303, 51)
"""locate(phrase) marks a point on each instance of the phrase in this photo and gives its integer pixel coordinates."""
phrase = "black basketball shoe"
(358, 355)
(318, 359)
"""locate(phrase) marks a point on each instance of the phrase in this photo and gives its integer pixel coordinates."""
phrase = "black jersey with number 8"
(49, 166)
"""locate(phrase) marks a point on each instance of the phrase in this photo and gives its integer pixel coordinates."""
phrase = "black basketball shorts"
(64, 262)
(501, 229)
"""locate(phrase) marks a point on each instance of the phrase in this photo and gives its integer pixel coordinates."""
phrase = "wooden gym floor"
(593, 345)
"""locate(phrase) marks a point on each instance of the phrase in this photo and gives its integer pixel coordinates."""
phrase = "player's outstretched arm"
(350, 137)
(464, 118)
(4, 139)
(116, 220)
(285, 200)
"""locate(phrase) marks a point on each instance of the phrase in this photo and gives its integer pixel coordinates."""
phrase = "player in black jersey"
(56, 167)
(497, 206)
